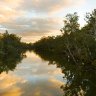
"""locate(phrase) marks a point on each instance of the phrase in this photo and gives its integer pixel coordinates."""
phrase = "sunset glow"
(33, 19)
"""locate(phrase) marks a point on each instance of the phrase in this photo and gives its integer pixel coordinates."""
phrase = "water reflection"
(50, 76)
(32, 77)
(9, 62)
(80, 79)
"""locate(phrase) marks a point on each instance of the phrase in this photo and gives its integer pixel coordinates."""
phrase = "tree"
(70, 24)
(90, 27)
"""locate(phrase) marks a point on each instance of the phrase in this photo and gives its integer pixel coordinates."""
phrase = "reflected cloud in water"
(32, 77)
(8, 85)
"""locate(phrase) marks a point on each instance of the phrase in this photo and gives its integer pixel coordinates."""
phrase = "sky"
(34, 19)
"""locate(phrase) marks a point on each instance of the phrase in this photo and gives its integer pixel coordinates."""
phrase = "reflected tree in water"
(11, 51)
(80, 79)
(9, 62)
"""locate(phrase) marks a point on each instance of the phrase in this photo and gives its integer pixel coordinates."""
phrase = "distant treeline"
(77, 45)
(11, 51)
(10, 44)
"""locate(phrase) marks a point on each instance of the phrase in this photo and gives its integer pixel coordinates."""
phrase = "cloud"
(40, 6)
(47, 6)
(33, 17)
(10, 3)
(32, 29)
(36, 27)
(8, 11)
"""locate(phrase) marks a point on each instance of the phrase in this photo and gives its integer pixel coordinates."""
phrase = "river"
(32, 77)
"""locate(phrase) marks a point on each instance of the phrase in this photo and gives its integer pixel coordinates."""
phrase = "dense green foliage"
(10, 44)
(77, 45)
(75, 53)
(11, 51)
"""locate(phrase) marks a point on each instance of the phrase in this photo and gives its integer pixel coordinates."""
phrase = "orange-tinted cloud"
(47, 6)
(33, 17)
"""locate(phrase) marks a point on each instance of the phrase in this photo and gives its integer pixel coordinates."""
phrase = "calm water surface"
(32, 77)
